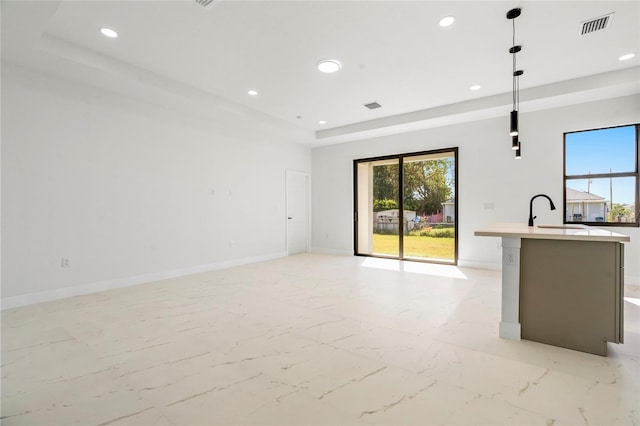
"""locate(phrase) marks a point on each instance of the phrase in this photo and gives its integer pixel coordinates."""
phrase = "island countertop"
(551, 232)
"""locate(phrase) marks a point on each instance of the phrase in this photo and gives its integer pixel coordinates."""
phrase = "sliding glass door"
(405, 206)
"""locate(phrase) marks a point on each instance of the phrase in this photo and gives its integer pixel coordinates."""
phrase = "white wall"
(488, 175)
(130, 191)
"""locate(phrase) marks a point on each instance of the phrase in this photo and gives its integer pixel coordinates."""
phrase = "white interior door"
(297, 212)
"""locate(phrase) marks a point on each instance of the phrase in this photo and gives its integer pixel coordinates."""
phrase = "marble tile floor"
(305, 340)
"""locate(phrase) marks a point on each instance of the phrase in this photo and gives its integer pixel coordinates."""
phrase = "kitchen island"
(561, 284)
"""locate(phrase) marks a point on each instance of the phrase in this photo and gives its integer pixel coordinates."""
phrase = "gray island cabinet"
(561, 285)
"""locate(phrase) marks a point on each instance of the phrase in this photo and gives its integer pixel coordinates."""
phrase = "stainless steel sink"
(566, 226)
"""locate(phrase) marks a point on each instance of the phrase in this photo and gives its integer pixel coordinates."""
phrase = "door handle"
(289, 218)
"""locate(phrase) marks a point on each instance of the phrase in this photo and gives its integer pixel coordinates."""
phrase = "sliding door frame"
(400, 158)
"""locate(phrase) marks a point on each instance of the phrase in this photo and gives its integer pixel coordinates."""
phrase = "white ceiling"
(393, 52)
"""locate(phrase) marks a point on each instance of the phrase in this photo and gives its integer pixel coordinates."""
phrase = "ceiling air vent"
(595, 24)
(373, 105)
(204, 3)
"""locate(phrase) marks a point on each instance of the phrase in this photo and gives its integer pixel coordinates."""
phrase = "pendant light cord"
(515, 78)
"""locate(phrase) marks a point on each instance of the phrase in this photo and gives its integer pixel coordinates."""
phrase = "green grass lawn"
(415, 246)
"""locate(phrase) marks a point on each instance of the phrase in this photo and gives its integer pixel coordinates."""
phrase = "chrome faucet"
(531, 216)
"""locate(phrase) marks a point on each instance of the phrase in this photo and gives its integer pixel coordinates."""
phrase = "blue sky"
(598, 151)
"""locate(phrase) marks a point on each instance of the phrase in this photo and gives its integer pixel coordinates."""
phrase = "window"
(601, 176)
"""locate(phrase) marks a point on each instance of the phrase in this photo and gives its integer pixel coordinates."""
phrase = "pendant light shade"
(514, 124)
(515, 143)
(518, 151)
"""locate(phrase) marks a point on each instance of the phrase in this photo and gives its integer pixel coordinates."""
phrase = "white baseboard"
(65, 292)
(628, 279)
(479, 265)
(632, 280)
(461, 263)
(331, 251)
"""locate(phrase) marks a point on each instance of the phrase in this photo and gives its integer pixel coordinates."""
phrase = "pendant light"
(514, 122)
(513, 117)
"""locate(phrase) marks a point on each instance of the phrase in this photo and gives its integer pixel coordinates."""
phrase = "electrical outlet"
(511, 258)
(232, 243)
(64, 262)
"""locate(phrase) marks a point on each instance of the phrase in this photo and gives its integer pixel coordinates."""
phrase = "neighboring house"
(387, 220)
(585, 207)
(449, 210)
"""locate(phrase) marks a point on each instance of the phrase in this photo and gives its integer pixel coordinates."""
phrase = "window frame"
(400, 157)
(633, 174)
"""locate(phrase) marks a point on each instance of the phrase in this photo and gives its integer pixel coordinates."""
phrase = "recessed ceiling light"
(446, 21)
(252, 93)
(475, 87)
(322, 122)
(329, 65)
(626, 57)
(108, 32)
